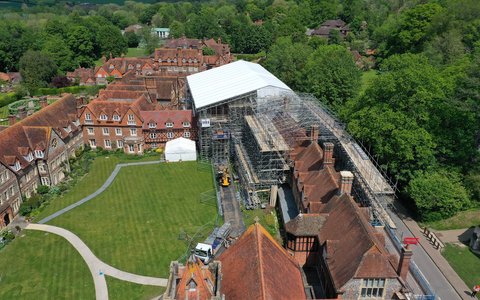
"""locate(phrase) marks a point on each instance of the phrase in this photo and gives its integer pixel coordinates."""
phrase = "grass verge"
(464, 262)
(124, 290)
(464, 219)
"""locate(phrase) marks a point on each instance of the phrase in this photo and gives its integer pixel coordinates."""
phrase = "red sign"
(411, 240)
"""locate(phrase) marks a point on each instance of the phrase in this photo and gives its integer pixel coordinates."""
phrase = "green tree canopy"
(110, 40)
(37, 69)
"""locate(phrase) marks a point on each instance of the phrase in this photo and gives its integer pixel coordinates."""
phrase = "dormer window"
(130, 67)
(189, 60)
(169, 124)
(186, 124)
(116, 117)
(88, 117)
(68, 129)
(29, 157)
(16, 166)
(38, 153)
(139, 66)
(168, 60)
(111, 67)
(184, 60)
(152, 125)
(103, 117)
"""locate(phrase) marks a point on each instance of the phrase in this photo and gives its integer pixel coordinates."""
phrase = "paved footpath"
(98, 268)
(107, 183)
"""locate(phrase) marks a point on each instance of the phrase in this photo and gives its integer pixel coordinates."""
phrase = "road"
(231, 210)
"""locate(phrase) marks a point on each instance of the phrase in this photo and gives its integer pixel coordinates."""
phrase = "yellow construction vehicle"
(225, 179)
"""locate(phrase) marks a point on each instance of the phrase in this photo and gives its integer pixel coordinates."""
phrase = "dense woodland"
(418, 111)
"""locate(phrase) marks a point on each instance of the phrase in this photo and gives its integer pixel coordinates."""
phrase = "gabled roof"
(177, 117)
(353, 249)
(257, 267)
(229, 81)
(196, 282)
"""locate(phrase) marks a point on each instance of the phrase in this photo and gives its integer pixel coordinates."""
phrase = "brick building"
(35, 151)
(332, 235)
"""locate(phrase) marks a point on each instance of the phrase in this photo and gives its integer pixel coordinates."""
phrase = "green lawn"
(464, 262)
(135, 224)
(122, 290)
(100, 170)
(464, 219)
(40, 265)
(266, 218)
(4, 115)
(135, 52)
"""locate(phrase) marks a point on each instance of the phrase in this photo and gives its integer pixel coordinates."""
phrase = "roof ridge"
(258, 239)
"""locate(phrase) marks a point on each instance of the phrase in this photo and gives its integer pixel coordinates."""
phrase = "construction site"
(254, 124)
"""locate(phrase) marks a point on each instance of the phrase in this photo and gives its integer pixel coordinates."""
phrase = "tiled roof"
(183, 42)
(305, 224)
(177, 117)
(196, 282)
(353, 248)
(257, 267)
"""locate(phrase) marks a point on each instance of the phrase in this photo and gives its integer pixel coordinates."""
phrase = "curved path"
(97, 267)
(107, 183)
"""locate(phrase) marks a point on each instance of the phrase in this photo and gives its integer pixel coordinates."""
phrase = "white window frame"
(38, 153)
(154, 146)
(186, 124)
(90, 131)
(120, 144)
(88, 117)
(153, 135)
(29, 156)
(118, 131)
(116, 117)
(131, 148)
(169, 124)
(133, 131)
(131, 120)
(105, 131)
(152, 125)
(45, 181)
(373, 288)
(186, 134)
(92, 143)
(107, 143)
(170, 135)
(103, 117)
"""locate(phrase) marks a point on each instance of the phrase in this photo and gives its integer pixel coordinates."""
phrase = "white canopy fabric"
(232, 80)
(180, 149)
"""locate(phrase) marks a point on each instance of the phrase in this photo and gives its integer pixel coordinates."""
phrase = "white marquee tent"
(180, 149)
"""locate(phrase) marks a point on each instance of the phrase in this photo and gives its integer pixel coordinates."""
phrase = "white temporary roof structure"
(232, 80)
(180, 149)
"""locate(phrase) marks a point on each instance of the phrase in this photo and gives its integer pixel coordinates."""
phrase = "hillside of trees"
(418, 113)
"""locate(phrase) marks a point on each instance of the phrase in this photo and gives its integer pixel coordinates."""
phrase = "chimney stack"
(346, 182)
(12, 119)
(328, 154)
(22, 112)
(314, 133)
(43, 101)
(404, 263)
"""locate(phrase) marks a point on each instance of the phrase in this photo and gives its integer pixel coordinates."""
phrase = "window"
(90, 131)
(152, 125)
(154, 145)
(169, 124)
(7, 176)
(133, 131)
(186, 124)
(29, 156)
(119, 144)
(106, 131)
(41, 168)
(45, 181)
(103, 117)
(170, 135)
(153, 135)
(131, 148)
(92, 143)
(372, 288)
(111, 67)
(12, 191)
(5, 195)
(131, 120)
(2, 178)
(116, 117)
(88, 117)
(108, 144)
(39, 153)
(118, 131)
(16, 167)
(186, 134)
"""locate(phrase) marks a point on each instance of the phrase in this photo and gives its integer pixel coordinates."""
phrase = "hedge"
(89, 90)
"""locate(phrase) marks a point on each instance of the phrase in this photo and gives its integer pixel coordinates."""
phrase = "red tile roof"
(257, 267)
(353, 248)
(177, 117)
(196, 282)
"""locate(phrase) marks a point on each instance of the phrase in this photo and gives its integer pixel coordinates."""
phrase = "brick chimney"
(22, 112)
(404, 263)
(314, 130)
(346, 181)
(12, 119)
(328, 159)
(43, 101)
(80, 104)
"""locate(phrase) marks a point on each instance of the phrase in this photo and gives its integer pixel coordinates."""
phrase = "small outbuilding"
(180, 149)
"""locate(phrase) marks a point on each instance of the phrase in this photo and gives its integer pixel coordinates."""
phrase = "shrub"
(43, 189)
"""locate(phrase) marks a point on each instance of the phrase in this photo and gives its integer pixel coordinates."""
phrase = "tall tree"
(111, 41)
(37, 69)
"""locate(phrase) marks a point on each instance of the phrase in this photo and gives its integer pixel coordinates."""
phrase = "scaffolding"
(257, 135)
